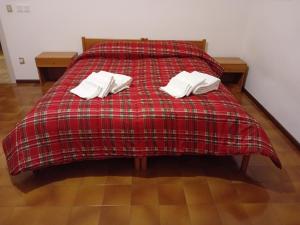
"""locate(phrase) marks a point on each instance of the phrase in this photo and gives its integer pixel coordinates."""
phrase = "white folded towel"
(104, 80)
(177, 88)
(121, 81)
(211, 83)
(194, 79)
(101, 84)
(86, 90)
(185, 83)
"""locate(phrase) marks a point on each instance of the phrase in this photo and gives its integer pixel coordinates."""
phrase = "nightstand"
(233, 66)
(52, 65)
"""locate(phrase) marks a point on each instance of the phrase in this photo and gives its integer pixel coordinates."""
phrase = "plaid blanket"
(140, 121)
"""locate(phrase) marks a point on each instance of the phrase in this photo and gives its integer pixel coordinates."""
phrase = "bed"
(139, 122)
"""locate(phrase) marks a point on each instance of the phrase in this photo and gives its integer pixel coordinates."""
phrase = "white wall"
(272, 50)
(57, 25)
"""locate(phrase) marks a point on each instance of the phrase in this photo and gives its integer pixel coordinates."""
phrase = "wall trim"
(27, 81)
(272, 118)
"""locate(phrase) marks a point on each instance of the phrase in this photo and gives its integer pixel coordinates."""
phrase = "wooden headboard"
(88, 42)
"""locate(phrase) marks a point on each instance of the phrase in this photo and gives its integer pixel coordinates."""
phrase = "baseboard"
(27, 81)
(272, 118)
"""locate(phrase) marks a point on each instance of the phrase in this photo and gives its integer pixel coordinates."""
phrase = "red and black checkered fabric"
(140, 121)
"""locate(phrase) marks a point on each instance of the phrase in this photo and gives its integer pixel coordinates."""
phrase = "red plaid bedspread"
(140, 121)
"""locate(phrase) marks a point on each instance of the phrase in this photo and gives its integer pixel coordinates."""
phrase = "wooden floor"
(184, 191)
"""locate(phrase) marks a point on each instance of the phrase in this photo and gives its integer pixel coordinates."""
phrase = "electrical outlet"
(9, 8)
(21, 60)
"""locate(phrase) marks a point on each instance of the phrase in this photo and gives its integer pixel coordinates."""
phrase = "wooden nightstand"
(234, 66)
(52, 65)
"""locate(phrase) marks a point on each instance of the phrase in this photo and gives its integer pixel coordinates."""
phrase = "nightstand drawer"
(233, 68)
(55, 62)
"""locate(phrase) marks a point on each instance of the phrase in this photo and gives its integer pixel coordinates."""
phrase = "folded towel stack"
(210, 83)
(177, 88)
(86, 89)
(122, 82)
(184, 83)
(100, 84)
(102, 80)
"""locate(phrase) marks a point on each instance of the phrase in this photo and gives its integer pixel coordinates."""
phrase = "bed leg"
(245, 163)
(140, 163)
(137, 163)
(144, 163)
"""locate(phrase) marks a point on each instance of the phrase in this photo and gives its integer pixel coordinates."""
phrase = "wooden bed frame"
(89, 42)
(141, 163)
